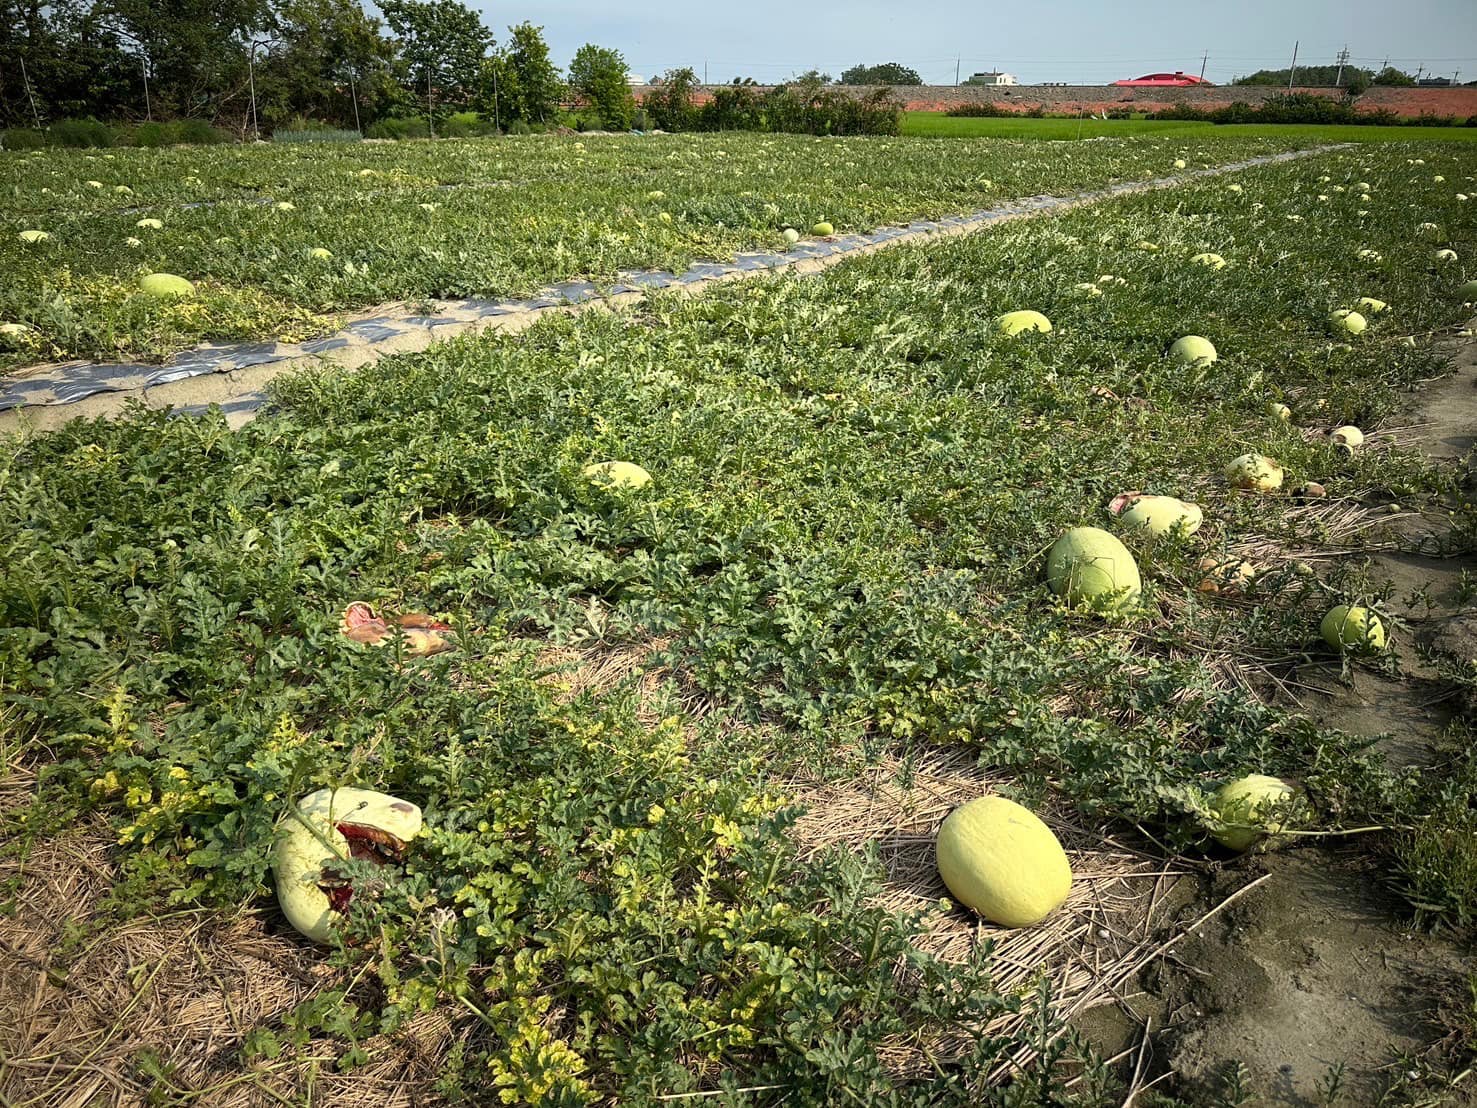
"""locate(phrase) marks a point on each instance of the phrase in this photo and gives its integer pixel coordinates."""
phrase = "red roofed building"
(1177, 79)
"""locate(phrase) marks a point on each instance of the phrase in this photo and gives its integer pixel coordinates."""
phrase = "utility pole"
(354, 92)
(29, 94)
(705, 73)
(430, 109)
(1205, 57)
(256, 129)
(957, 62)
(496, 121)
(1343, 60)
(1418, 70)
(1293, 72)
(148, 104)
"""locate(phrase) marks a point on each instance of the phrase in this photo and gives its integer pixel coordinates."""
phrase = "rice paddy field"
(682, 765)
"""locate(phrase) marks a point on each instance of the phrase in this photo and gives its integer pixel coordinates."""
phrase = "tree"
(598, 76)
(888, 73)
(670, 104)
(1308, 76)
(442, 47)
(1392, 76)
(539, 84)
(72, 65)
(329, 53)
(195, 52)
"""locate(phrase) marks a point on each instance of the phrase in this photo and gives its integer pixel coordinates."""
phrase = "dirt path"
(1311, 983)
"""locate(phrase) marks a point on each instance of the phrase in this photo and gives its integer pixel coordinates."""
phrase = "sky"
(1071, 41)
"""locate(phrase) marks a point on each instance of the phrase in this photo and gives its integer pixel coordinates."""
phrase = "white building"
(991, 78)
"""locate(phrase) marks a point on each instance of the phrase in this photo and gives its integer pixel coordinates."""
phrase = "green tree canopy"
(328, 52)
(1308, 76)
(539, 84)
(888, 73)
(598, 76)
(1392, 76)
(442, 48)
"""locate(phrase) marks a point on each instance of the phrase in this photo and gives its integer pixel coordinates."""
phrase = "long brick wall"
(1067, 99)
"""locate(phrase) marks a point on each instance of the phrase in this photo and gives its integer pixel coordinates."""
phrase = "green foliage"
(1393, 77)
(479, 236)
(1434, 863)
(327, 53)
(392, 128)
(539, 87)
(597, 75)
(442, 45)
(1310, 76)
(80, 134)
(854, 478)
(192, 132)
(1297, 107)
(467, 125)
(671, 105)
(316, 134)
(806, 106)
(888, 73)
(985, 109)
(22, 138)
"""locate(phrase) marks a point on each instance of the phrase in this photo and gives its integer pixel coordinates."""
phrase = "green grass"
(936, 124)
(855, 477)
(457, 218)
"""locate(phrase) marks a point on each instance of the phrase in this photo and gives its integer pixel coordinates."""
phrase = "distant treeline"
(807, 105)
(1295, 107)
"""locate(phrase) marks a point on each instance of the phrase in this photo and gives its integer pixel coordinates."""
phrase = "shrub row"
(805, 107)
(1306, 107)
(90, 133)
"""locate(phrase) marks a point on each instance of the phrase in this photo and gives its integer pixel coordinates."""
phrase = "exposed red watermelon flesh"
(366, 844)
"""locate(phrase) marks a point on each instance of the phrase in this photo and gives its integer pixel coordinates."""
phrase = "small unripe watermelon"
(1254, 471)
(823, 229)
(1348, 435)
(1468, 291)
(1001, 860)
(791, 235)
(1277, 410)
(166, 286)
(31, 238)
(1211, 261)
(1193, 350)
(618, 475)
(1348, 321)
(1371, 305)
(1352, 628)
(1246, 807)
(1444, 256)
(1013, 323)
(1161, 515)
(1087, 566)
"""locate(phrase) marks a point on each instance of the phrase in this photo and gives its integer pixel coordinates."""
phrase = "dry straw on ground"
(1088, 951)
(83, 997)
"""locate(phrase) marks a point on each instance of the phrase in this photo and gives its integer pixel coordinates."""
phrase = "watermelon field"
(408, 221)
(680, 749)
